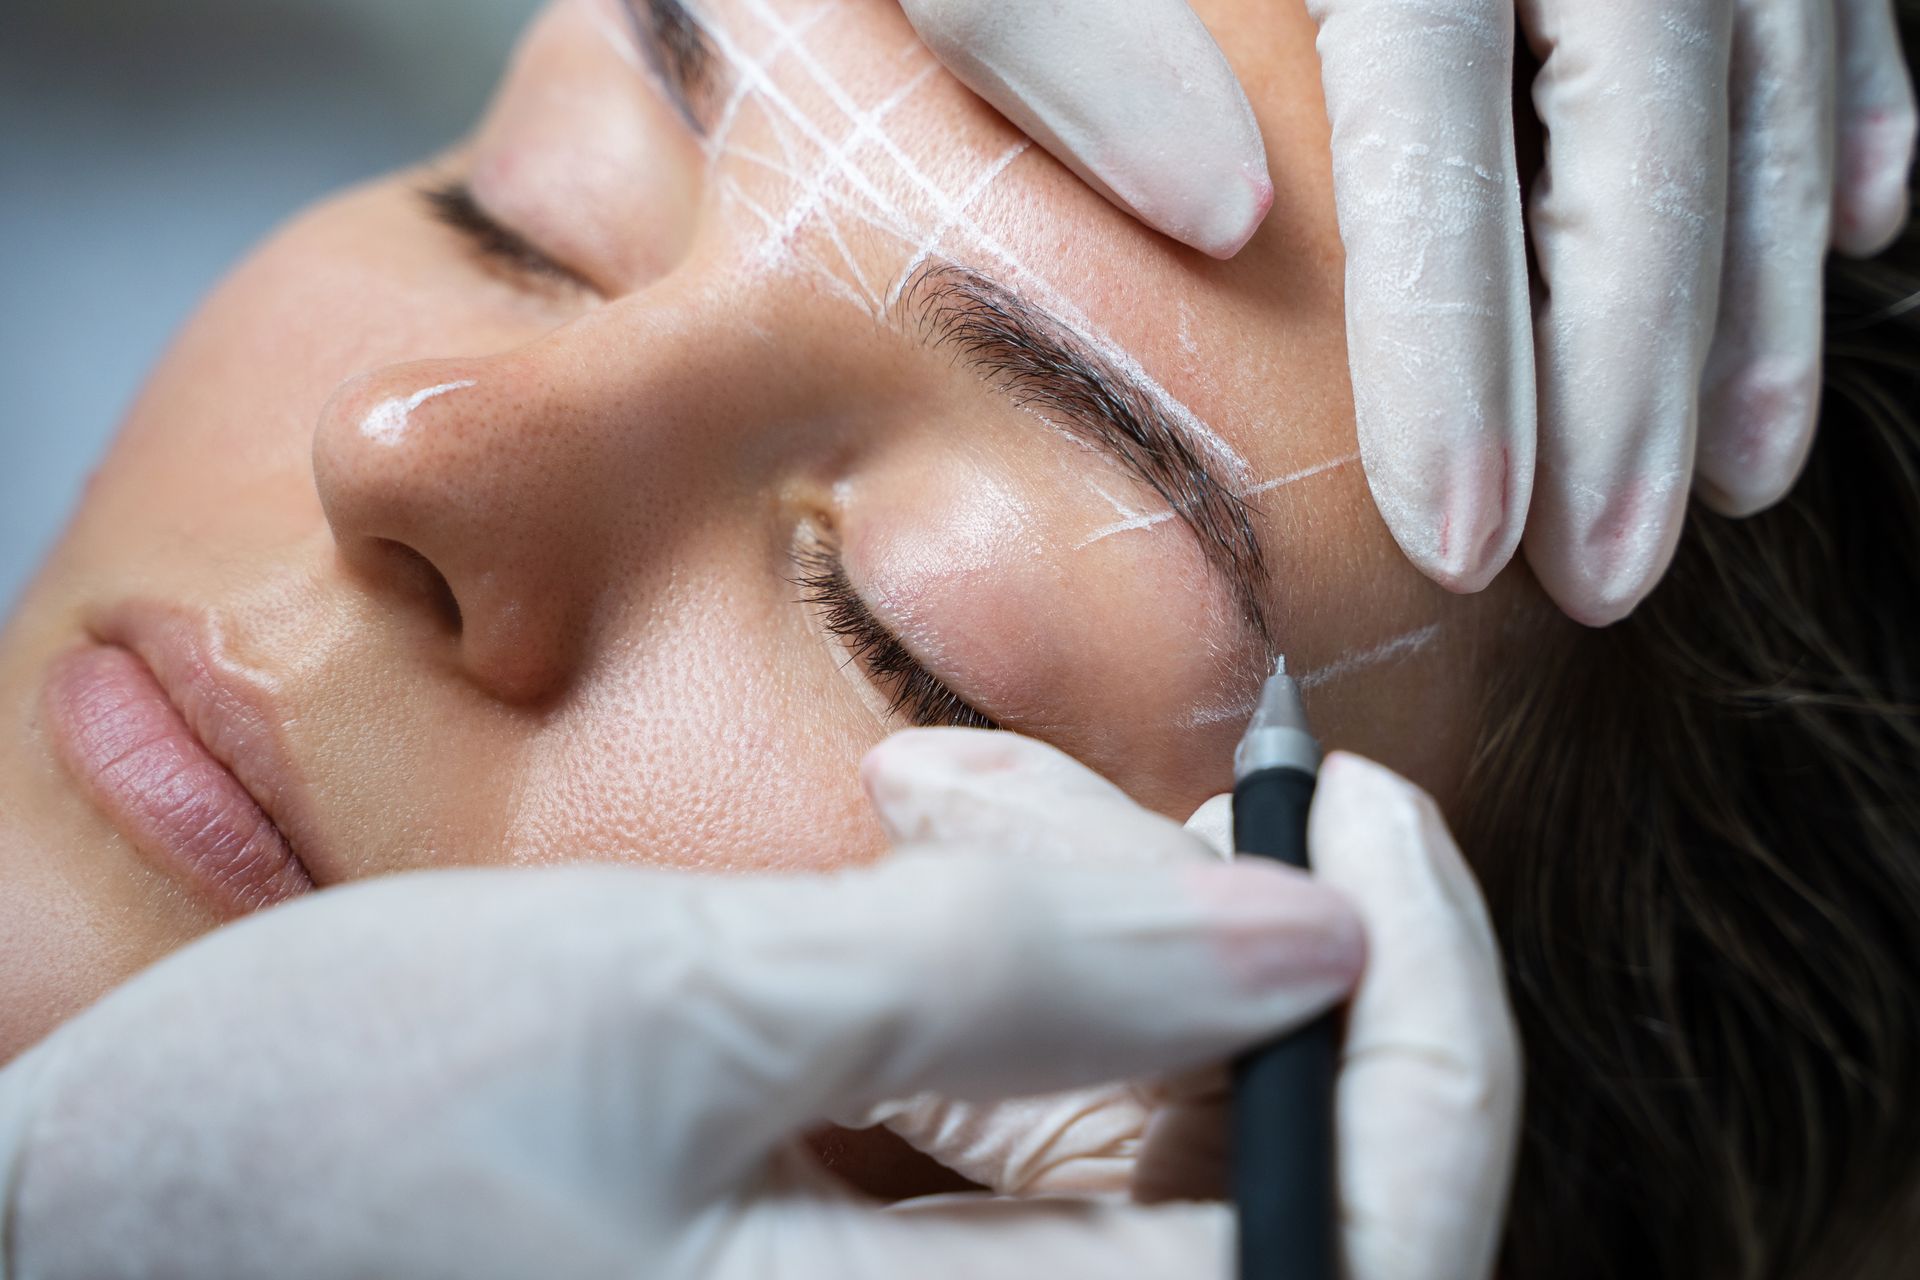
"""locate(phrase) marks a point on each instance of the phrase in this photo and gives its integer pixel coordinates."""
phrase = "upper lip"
(229, 709)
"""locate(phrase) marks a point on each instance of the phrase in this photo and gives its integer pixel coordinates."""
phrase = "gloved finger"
(1629, 220)
(1761, 388)
(985, 976)
(1054, 1240)
(1428, 1092)
(1132, 95)
(1013, 794)
(967, 1237)
(1876, 129)
(1185, 1153)
(1420, 95)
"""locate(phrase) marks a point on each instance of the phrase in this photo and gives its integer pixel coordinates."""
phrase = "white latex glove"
(1679, 227)
(1132, 95)
(1429, 1086)
(601, 1071)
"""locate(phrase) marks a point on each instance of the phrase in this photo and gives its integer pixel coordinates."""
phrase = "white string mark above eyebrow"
(846, 206)
(1308, 473)
(716, 140)
(772, 97)
(838, 160)
(959, 219)
(1398, 647)
(386, 422)
(973, 192)
(739, 194)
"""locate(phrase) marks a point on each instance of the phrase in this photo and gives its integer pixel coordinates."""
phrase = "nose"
(506, 496)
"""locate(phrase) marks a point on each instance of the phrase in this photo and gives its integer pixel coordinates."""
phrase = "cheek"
(218, 446)
(714, 744)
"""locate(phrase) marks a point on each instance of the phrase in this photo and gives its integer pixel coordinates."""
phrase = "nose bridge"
(514, 476)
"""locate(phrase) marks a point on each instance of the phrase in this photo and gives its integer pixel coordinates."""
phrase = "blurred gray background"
(144, 145)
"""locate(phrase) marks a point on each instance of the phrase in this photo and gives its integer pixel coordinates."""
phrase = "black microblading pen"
(1282, 1092)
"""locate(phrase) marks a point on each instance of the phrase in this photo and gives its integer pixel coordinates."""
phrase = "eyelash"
(452, 204)
(912, 691)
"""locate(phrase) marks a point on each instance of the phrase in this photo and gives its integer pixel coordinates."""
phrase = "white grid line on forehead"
(767, 219)
(716, 140)
(1053, 298)
(838, 160)
(974, 191)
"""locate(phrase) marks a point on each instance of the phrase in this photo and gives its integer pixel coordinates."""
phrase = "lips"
(156, 734)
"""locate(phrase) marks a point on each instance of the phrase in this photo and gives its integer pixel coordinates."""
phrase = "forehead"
(837, 149)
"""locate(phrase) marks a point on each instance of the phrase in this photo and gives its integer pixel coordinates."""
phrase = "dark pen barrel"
(1283, 1092)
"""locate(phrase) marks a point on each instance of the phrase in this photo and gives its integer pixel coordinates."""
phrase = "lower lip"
(123, 738)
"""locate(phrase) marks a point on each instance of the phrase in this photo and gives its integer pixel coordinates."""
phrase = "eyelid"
(910, 689)
(454, 205)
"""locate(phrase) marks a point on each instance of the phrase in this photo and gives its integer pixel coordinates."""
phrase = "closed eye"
(911, 690)
(453, 204)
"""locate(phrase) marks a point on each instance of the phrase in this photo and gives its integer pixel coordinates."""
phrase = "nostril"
(417, 575)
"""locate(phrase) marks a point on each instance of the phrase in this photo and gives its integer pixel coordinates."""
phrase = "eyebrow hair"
(677, 49)
(1030, 355)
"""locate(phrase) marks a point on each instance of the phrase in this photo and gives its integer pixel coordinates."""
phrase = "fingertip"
(1234, 220)
(1460, 531)
(1872, 201)
(1599, 553)
(1277, 928)
(1756, 429)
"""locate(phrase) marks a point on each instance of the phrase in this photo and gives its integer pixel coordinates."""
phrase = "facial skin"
(510, 560)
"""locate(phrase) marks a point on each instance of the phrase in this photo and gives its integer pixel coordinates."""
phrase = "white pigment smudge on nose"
(386, 422)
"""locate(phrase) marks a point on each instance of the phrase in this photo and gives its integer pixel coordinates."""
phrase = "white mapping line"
(1398, 647)
(620, 36)
(846, 205)
(973, 192)
(1145, 520)
(959, 219)
(1318, 469)
(386, 422)
(1135, 520)
(839, 159)
(738, 193)
(716, 139)
(771, 96)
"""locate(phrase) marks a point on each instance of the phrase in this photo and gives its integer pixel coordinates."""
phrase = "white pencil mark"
(1398, 647)
(1319, 468)
(1131, 524)
(386, 422)
(973, 192)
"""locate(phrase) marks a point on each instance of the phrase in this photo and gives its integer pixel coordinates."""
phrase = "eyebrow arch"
(1029, 355)
(677, 49)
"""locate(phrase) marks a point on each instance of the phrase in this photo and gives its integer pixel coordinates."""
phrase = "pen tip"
(1280, 666)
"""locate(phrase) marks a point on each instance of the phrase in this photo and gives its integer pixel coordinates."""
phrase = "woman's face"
(772, 395)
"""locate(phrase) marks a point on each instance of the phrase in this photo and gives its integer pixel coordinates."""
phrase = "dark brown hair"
(1700, 833)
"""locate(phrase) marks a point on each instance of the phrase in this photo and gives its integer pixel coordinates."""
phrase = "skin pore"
(510, 504)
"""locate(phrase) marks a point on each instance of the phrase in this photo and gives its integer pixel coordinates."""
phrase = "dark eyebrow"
(678, 50)
(1028, 354)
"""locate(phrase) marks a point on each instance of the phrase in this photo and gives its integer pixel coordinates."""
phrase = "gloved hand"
(1428, 1093)
(1701, 155)
(601, 1070)
(1679, 228)
(1132, 95)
